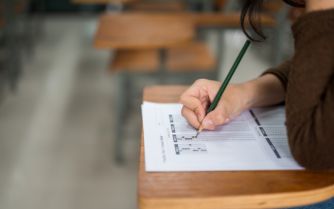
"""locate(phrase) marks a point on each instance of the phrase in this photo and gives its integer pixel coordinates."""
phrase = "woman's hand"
(263, 91)
(198, 97)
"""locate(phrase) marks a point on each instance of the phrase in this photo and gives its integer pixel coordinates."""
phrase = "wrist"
(249, 94)
(263, 91)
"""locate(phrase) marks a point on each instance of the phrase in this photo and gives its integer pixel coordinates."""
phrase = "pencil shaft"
(228, 77)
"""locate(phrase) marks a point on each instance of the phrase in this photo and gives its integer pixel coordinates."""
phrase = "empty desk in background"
(158, 44)
(226, 190)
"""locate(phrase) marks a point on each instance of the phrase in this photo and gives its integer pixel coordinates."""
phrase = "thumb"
(215, 118)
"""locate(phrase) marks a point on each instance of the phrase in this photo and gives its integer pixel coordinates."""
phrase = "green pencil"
(222, 88)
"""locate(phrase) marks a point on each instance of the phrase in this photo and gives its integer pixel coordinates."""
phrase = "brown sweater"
(308, 79)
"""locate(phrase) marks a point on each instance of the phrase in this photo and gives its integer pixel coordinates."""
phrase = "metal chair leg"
(121, 107)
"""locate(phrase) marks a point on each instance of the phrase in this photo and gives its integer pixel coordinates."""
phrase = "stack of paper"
(256, 140)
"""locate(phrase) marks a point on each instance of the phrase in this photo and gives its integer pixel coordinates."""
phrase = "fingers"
(190, 100)
(191, 117)
(192, 103)
(195, 101)
(215, 118)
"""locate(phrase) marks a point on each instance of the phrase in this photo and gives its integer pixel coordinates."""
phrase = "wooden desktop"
(226, 190)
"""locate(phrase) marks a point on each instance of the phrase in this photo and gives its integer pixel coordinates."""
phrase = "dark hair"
(250, 17)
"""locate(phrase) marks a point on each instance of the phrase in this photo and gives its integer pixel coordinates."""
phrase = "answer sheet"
(256, 140)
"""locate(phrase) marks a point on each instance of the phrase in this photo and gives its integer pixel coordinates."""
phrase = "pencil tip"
(200, 129)
(197, 134)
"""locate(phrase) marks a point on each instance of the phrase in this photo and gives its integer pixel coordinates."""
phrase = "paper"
(256, 140)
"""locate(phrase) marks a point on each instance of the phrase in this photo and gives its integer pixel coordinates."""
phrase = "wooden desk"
(142, 31)
(144, 60)
(139, 30)
(190, 57)
(225, 20)
(226, 190)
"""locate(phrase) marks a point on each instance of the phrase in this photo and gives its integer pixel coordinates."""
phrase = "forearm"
(264, 91)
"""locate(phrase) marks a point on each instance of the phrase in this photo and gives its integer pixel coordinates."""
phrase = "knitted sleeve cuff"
(281, 72)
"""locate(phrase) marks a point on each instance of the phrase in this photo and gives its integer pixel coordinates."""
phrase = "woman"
(305, 83)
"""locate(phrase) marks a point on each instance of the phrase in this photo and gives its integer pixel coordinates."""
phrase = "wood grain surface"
(156, 30)
(193, 56)
(142, 60)
(226, 190)
(142, 31)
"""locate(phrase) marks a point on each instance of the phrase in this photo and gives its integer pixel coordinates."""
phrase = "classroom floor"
(56, 133)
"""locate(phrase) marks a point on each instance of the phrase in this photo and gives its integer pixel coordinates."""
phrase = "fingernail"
(207, 123)
(227, 120)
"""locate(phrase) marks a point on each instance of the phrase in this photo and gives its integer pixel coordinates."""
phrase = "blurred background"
(71, 78)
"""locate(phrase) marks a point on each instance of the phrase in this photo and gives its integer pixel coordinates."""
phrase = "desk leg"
(121, 108)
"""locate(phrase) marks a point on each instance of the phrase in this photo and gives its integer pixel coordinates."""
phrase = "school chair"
(159, 45)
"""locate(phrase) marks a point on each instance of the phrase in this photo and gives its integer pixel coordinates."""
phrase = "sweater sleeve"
(310, 104)
(281, 72)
